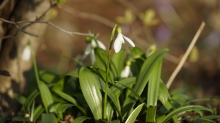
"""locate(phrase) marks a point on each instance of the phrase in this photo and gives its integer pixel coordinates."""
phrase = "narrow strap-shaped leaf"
(153, 90)
(71, 99)
(207, 118)
(142, 79)
(134, 114)
(184, 109)
(30, 100)
(91, 90)
(81, 119)
(164, 97)
(37, 112)
(118, 87)
(46, 96)
(73, 73)
(112, 96)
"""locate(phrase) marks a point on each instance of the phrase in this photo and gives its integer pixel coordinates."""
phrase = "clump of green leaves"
(98, 92)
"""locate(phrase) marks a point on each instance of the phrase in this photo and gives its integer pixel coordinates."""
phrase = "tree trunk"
(12, 49)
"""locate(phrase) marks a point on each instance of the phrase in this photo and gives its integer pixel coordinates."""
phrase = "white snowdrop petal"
(101, 45)
(125, 72)
(26, 54)
(129, 41)
(117, 46)
(87, 51)
(118, 42)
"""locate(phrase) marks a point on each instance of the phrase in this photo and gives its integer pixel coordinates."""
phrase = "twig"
(176, 71)
(18, 27)
(45, 22)
(9, 36)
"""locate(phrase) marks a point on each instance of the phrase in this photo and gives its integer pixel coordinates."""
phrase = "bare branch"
(45, 22)
(178, 68)
(18, 27)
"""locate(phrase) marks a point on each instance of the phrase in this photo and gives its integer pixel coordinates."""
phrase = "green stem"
(107, 72)
(34, 63)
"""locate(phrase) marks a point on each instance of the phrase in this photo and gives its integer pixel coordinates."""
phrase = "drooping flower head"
(92, 44)
(120, 40)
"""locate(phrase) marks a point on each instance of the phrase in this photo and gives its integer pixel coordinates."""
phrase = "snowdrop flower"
(26, 54)
(90, 48)
(125, 72)
(120, 40)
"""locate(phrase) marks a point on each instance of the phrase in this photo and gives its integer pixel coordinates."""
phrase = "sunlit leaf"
(59, 84)
(134, 114)
(46, 96)
(74, 73)
(153, 91)
(37, 112)
(142, 79)
(47, 77)
(91, 90)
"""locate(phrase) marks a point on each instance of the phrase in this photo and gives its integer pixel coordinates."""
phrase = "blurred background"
(168, 24)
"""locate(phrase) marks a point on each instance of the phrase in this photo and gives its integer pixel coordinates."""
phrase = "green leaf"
(207, 118)
(61, 107)
(118, 61)
(81, 119)
(48, 77)
(112, 96)
(91, 90)
(153, 91)
(48, 118)
(30, 100)
(70, 99)
(101, 58)
(134, 114)
(184, 109)
(73, 73)
(37, 112)
(32, 112)
(101, 73)
(46, 96)
(142, 79)
(118, 87)
(137, 52)
(59, 84)
(164, 97)
(20, 98)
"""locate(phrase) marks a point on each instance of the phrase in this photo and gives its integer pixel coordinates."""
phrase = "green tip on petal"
(119, 30)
